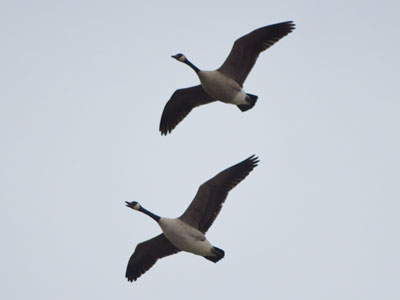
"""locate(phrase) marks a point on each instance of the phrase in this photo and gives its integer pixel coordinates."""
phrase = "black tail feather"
(219, 254)
(252, 99)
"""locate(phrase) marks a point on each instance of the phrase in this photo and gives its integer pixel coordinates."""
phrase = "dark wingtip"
(164, 131)
(288, 25)
(165, 124)
(131, 276)
(291, 25)
(254, 160)
(131, 279)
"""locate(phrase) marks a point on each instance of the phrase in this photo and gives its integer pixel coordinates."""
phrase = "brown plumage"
(210, 196)
(146, 254)
(195, 221)
(233, 71)
(246, 49)
(177, 108)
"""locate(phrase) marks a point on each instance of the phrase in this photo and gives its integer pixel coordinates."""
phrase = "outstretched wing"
(210, 196)
(146, 254)
(180, 105)
(246, 49)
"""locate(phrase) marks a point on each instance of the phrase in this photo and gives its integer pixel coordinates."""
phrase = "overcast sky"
(83, 86)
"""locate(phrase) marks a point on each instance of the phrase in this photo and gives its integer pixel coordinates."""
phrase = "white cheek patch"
(182, 58)
(137, 206)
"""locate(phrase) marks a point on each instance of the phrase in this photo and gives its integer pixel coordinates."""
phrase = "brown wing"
(181, 103)
(210, 196)
(246, 49)
(146, 254)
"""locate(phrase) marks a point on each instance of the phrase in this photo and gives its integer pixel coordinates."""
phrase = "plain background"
(83, 85)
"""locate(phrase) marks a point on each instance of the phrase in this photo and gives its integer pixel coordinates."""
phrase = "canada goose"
(224, 84)
(187, 233)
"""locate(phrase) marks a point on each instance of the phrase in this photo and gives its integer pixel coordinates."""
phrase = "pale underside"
(185, 237)
(221, 87)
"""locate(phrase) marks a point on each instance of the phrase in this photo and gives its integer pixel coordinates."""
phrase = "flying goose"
(187, 233)
(224, 84)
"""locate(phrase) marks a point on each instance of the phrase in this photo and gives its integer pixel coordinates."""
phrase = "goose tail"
(251, 99)
(219, 254)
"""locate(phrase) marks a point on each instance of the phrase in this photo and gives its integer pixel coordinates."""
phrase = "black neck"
(150, 214)
(196, 69)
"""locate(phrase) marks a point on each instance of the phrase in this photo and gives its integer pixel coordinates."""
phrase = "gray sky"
(83, 85)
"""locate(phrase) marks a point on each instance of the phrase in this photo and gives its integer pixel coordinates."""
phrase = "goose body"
(185, 237)
(222, 87)
(187, 232)
(226, 83)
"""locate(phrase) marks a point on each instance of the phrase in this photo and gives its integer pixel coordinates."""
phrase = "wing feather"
(146, 255)
(179, 106)
(211, 195)
(246, 49)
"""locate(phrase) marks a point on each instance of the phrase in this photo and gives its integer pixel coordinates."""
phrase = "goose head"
(180, 57)
(134, 205)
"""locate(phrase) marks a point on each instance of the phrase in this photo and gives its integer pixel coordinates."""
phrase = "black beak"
(174, 56)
